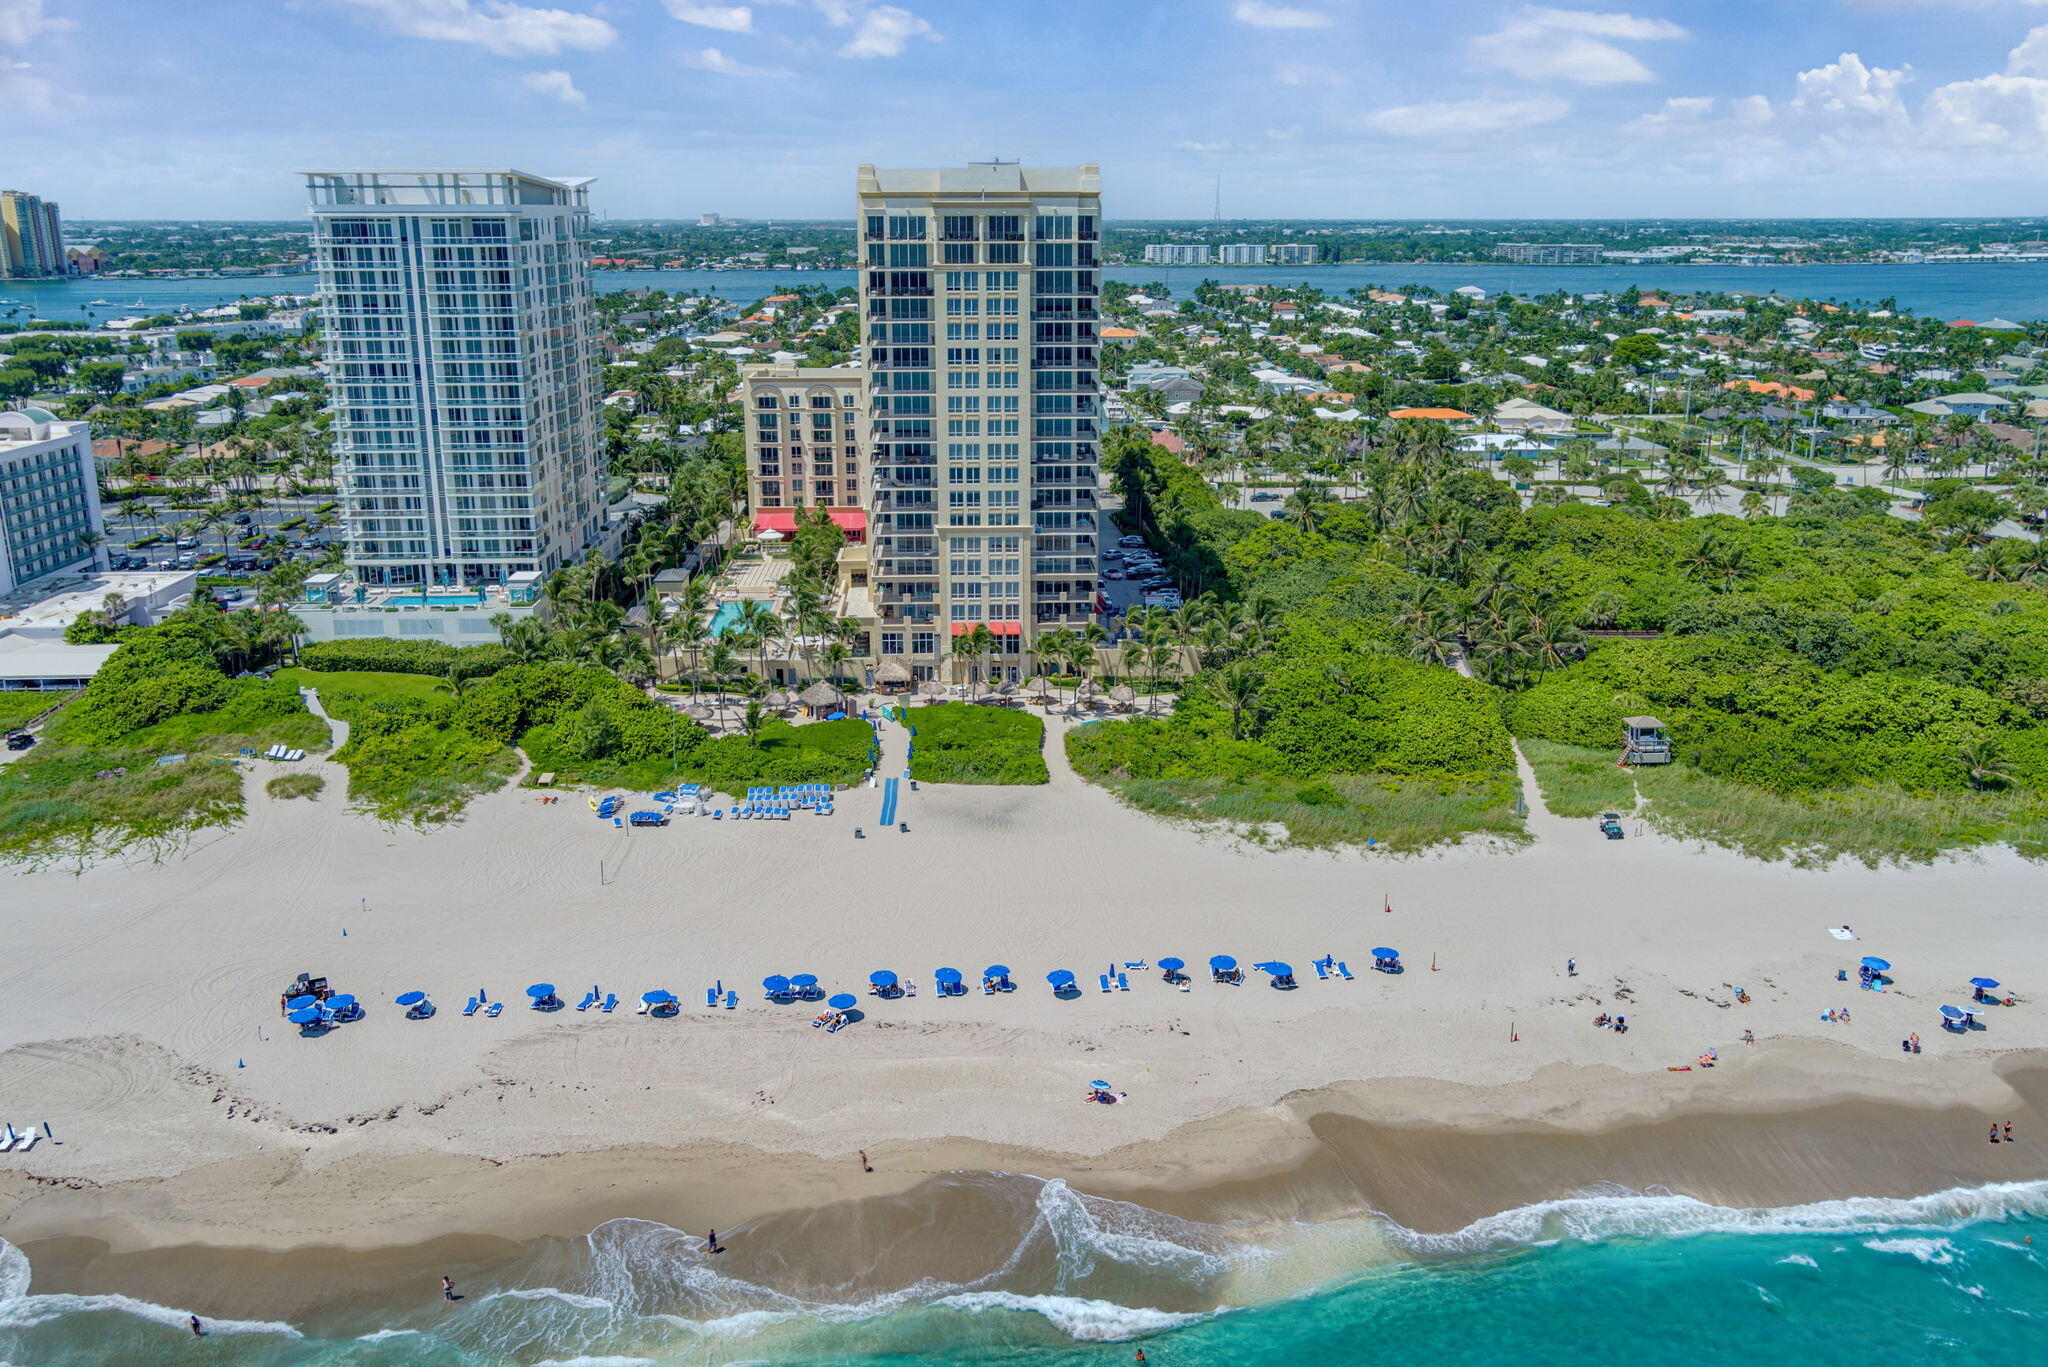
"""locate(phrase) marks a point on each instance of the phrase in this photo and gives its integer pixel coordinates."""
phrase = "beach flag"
(240, 1064)
(1388, 906)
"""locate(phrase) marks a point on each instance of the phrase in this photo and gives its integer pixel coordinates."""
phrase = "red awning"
(960, 628)
(776, 520)
(850, 519)
(1007, 628)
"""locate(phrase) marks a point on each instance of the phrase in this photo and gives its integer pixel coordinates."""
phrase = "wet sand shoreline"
(779, 1211)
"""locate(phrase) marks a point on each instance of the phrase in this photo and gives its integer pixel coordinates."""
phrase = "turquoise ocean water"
(2016, 291)
(1960, 1276)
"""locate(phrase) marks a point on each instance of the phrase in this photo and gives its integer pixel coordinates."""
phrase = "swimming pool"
(439, 600)
(723, 618)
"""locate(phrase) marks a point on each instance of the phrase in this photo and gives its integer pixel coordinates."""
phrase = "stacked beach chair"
(775, 804)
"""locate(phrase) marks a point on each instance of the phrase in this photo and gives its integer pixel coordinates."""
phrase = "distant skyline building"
(31, 236)
(1294, 253)
(1241, 254)
(710, 220)
(1549, 253)
(50, 516)
(1177, 254)
(459, 332)
(984, 439)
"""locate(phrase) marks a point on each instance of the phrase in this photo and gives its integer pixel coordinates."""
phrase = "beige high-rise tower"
(978, 314)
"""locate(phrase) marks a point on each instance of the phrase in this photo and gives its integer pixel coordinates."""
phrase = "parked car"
(1131, 541)
(241, 519)
(19, 740)
(187, 543)
(1265, 496)
(1610, 825)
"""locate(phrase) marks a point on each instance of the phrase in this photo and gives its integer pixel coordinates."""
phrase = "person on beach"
(711, 1242)
(865, 1166)
(198, 1330)
(2008, 1132)
(1994, 1132)
(1571, 968)
(448, 1289)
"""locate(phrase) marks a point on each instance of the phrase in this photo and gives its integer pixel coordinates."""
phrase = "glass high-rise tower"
(457, 318)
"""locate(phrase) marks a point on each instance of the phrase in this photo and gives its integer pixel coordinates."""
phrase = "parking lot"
(300, 542)
(1135, 567)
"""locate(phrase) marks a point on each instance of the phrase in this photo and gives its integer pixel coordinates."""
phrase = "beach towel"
(1841, 932)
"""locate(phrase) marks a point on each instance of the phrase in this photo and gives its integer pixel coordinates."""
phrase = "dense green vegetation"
(834, 752)
(959, 742)
(97, 783)
(378, 654)
(19, 708)
(1835, 680)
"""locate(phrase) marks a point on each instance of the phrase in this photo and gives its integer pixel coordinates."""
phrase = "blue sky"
(1305, 108)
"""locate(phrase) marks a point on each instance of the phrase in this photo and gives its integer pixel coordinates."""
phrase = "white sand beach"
(139, 1004)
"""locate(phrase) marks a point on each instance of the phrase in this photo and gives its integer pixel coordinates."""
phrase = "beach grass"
(1383, 812)
(1875, 825)
(959, 742)
(73, 802)
(295, 785)
(1579, 781)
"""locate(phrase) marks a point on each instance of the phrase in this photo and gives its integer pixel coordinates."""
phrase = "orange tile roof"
(1772, 387)
(1170, 441)
(1438, 414)
(1116, 332)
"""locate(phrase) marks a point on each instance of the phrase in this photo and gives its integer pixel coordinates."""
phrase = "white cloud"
(1306, 73)
(725, 18)
(1261, 15)
(1848, 95)
(2030, 58)
(22, 22)
(2003, 113)
(556, 85)
(1203, 147)
(1288, 134)
(500, 26)
(712, 60)
(1683, 112)
(1542, 44)
(878, 30)
(1461, 118)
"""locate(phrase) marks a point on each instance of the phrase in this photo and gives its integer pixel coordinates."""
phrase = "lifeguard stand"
(1644, 741)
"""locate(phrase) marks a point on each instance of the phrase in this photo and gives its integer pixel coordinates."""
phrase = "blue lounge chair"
(1138, 967)
(1344, 970)
(590, 999)
(732, 1000)
(1103, 978)
(1123, 983)
(493, 1009)
(711, 996)
(611, 1001)
(1321, 970)
(470, 1009)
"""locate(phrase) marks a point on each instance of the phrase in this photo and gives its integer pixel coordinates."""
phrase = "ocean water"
(1960, 1275)
(2016, 290)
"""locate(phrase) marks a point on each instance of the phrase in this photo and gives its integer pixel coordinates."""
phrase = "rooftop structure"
(50, 517)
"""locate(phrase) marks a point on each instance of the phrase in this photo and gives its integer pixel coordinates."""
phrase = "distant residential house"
(1846, 410)
(1773, 388)
(1526, 415)
(1170, 441)
(1432, 414)
(1115, 334)
(1977, 406)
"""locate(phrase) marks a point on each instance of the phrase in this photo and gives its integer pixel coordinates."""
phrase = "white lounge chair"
(7, 1137)
(24, 1140)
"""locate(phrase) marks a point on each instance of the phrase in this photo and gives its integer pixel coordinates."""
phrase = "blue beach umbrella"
(1876, 965)
(300, 1003)
(952, 975)
(845, 1001)
(804, 980)
(1100, 1083)
(657, 997)
(539, 990)
(1984, 984)
(996, 971)
(775, 983)
(1954, 1013)
(1222, 963)
(305, 1015)
(410, 998)
(882, 977)
(1060, 977)
(340, 1003)
(1278, 969)
(1172, 965)
(1384, 953)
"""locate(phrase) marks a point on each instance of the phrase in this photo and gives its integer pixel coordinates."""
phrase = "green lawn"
(1577, 780)
(958, 742)
(338, 688)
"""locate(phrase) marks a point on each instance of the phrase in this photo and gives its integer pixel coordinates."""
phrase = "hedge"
(959, 742)
(384, 655)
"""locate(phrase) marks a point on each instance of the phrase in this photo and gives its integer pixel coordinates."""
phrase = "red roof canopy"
(850, 519)
(784, 520)
(1007, 628)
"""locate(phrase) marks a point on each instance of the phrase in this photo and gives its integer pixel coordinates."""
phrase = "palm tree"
(1239, 686)
(1983, 763)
